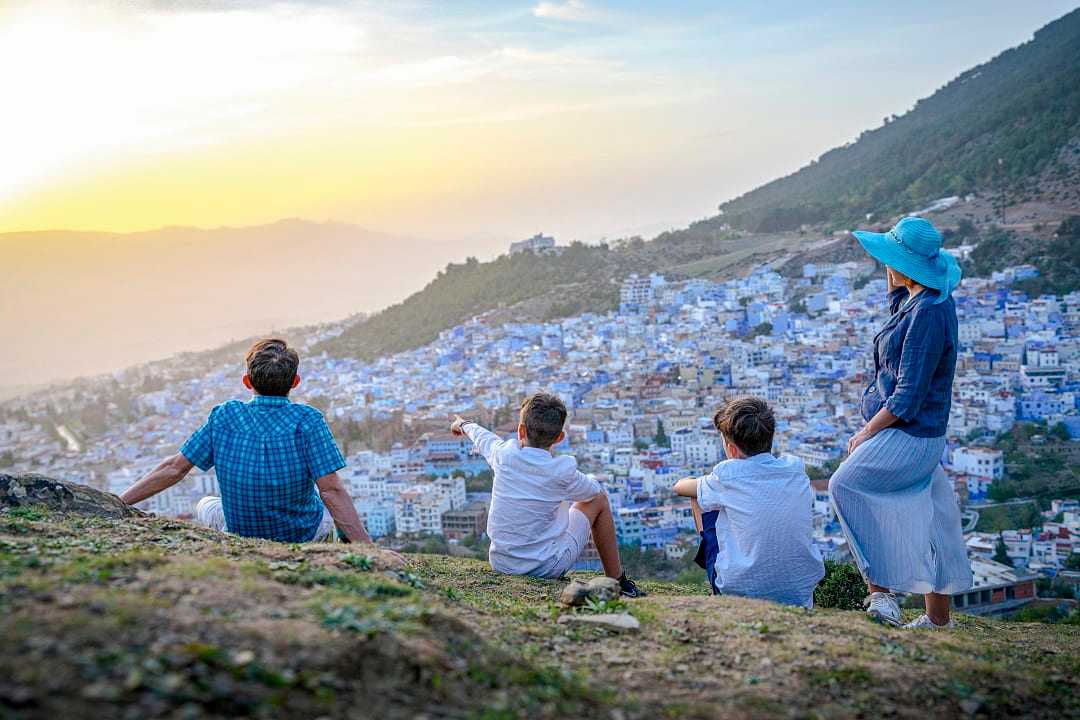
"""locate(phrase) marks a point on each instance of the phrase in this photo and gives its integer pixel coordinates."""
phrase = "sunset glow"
(442, 120)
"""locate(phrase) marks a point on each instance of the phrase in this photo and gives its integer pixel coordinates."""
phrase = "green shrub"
(1050, 614)
(842, 587)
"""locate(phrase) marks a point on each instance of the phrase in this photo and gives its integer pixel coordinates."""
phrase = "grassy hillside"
(1020, 109)
(117, 617)
(1056, 256)
(583, 278)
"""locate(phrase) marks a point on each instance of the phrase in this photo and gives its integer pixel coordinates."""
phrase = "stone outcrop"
(599, 589)
(61, 496)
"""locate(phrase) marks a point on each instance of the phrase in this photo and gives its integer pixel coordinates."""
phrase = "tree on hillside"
(1001, 552)
(661, 439)
(764, 328)
(1073, 562)
(1060, 432)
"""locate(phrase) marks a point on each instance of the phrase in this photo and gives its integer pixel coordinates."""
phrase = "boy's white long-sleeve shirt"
(530, 498)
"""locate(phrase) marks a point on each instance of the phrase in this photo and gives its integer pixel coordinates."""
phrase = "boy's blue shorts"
(709, 548)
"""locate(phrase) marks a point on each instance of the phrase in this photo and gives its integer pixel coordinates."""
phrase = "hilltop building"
(538, 243)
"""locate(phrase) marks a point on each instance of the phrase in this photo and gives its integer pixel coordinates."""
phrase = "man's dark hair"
(748, 423)
(272, 365)
(543, 416)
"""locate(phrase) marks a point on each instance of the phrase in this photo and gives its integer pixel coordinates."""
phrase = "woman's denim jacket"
(914, 362)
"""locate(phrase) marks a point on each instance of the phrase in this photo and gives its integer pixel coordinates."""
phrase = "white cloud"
(569, 10)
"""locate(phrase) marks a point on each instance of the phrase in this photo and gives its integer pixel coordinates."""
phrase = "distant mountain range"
(79, 303)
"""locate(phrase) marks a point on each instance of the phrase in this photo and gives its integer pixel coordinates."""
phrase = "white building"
(453, 489)
(979, 462)
(640, 291)
(537, 243)
(378, 517)
(419, 510)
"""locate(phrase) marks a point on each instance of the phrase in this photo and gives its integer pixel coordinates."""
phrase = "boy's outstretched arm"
(169, 472)
(483, 439)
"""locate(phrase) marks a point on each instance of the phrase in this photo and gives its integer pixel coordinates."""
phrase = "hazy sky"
(452, 120)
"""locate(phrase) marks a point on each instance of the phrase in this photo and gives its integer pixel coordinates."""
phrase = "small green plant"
(409, 578)
(601, 607)
(759, 627)
(842, 587)
(360, 562)
(348, 617)
(24, 512)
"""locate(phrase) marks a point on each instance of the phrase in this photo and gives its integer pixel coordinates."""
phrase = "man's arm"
(337, 501)
(171, 471)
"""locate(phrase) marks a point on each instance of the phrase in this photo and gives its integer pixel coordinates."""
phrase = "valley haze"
(84, 303)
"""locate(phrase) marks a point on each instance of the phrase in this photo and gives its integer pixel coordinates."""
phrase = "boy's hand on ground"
(455, 426)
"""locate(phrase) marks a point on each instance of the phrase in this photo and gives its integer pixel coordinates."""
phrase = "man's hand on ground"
(455, 426)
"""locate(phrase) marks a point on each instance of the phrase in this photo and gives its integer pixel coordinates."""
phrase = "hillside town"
(642, 383)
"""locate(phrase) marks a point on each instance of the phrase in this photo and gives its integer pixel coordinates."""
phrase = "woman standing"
(893, 499)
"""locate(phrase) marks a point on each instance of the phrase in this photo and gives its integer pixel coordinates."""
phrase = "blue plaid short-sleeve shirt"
(268, 454)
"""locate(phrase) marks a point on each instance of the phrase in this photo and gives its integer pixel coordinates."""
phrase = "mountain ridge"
(996, 124)
(934, 150)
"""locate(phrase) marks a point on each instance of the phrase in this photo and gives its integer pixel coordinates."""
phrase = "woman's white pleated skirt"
(899, 514)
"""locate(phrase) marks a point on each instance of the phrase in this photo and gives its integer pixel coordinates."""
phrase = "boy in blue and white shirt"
(754, 513)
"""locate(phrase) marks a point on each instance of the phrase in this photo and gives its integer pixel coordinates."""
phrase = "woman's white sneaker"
(882, 608)
(924, 621)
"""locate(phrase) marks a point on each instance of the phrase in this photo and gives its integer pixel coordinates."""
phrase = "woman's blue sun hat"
(913, 248)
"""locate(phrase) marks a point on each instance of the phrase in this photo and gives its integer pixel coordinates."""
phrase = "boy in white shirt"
(533, 527)
(754, 513)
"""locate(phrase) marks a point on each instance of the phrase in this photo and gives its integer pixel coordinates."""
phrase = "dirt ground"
(144, 617)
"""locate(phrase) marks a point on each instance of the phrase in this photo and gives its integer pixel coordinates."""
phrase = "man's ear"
(247, 382)
(521, 432)
(562, 436)
(296, 380)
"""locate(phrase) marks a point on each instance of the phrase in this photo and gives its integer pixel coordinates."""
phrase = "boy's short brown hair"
(272, 366)
(543, 416)
(747, 422)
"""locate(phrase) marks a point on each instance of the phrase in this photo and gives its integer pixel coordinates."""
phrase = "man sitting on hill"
(269, 454)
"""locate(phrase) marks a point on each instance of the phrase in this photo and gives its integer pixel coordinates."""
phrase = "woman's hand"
(858, 439)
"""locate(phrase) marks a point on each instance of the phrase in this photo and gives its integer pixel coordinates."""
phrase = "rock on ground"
(61, 496)
(598, 588)
(618, 622)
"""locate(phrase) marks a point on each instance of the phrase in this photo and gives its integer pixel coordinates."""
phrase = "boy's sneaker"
(924, 622)
(882, 608)
(627, 588)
